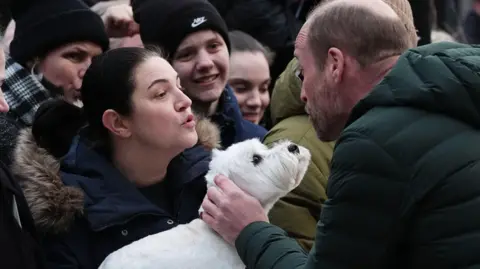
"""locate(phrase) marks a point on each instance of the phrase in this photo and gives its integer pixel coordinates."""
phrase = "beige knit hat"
(404, 11)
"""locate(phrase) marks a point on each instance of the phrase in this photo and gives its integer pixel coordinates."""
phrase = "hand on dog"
(228, 210)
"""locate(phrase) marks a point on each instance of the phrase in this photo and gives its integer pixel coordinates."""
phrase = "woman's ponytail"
(55, 124)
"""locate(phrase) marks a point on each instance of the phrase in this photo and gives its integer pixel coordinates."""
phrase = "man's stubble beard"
(327, 115)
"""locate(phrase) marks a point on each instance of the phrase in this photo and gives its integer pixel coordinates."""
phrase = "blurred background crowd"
(275, 24)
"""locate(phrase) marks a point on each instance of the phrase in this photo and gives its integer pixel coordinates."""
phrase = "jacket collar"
(228, 117)
(110, 199)
(228, 107)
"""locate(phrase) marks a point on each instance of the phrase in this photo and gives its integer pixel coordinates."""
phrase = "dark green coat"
(404, 189)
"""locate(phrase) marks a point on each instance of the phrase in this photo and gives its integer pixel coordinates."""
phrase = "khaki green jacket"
(298, 212)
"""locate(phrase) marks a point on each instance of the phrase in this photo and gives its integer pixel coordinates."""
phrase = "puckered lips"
(189, 121)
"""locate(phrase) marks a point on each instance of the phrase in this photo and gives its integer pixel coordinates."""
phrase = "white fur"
(195, 245)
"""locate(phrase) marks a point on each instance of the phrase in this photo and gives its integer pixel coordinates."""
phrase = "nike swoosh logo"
(197, 23)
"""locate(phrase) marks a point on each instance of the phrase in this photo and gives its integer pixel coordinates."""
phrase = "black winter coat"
(18, 239)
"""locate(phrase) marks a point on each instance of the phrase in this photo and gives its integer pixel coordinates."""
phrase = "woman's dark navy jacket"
(86, 209)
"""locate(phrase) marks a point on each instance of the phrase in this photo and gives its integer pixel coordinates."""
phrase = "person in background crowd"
(127, 174)
(118, 19)
(446, 15)
(96, 5)
(18, 238)
(403, 163)
(273, 23)
(422, 14)
(42, 65)
(299, 211)
(118, 16)
(471, 25)
(441, 36)
(250, 75)
(196, 41)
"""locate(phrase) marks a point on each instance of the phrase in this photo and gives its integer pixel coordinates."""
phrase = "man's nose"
(303, 96)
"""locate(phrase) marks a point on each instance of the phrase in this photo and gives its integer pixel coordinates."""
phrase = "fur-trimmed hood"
(53, 204)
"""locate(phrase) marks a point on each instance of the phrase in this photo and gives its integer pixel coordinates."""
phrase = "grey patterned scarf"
(23, 92)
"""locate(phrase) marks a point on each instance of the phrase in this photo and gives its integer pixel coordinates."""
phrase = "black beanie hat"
(166, 23)
(44, 25)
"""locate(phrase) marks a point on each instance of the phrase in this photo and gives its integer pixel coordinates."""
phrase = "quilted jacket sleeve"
(360, 223)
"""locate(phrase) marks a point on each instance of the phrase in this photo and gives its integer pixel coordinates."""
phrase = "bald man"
(404, 188)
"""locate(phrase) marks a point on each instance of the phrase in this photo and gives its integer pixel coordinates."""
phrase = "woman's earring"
(33, 70)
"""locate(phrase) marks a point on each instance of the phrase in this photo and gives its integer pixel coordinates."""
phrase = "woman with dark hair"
(250, 75)
(53, 44)
(135, 168)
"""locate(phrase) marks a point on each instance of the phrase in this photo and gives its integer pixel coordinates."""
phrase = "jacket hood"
(442, 78)
(53, 204)
(286, 101)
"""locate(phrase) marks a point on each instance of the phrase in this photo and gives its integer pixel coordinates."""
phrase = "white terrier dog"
(266, 174)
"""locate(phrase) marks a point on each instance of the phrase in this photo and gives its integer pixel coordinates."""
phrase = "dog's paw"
(200, 211)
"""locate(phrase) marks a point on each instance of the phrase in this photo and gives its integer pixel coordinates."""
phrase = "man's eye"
(299, 74)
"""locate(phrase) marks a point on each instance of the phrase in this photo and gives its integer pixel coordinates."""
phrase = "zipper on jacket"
(120, 223)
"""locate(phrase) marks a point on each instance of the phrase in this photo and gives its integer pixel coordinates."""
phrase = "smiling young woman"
(250, 75)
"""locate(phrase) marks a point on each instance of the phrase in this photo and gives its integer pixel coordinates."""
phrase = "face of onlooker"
(250, 78)
(65, 67)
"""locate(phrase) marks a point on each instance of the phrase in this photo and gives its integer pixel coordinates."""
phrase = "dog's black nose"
(293, 148)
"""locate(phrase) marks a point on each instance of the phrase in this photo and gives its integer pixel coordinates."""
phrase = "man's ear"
(335, 64)
(116, 124)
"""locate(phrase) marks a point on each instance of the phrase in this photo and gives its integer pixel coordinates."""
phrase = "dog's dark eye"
(256, 159)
